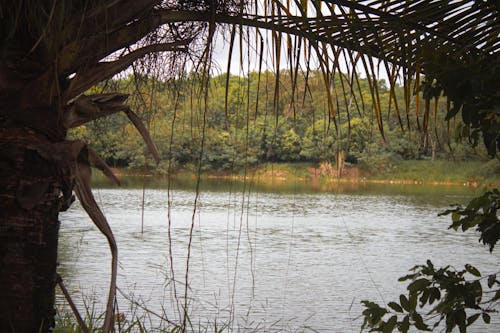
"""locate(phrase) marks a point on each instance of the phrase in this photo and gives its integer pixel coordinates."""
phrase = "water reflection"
(283, 259)
(262, 185)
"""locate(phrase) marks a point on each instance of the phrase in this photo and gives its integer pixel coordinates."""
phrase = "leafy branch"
(436, 295)
(481, 212)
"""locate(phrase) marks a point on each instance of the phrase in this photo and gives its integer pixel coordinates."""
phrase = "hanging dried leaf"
(144, 133)
(84, 193)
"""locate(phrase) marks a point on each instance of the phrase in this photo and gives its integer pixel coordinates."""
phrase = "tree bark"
(30, 200)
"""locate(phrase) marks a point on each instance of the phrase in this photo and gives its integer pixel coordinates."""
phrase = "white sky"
(221, 51)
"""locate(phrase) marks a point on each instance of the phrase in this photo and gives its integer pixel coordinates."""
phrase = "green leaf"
(471, 222)
(486, 318)
(390, 325)
(455, 217)
(425, 297)
(418, 285)
(413, 301)
(404, 326)
(471, 269)
(450, 322)
(472, 319)
(450, 211)
(370, 305)
(460, 318)
(408, 277)
(476, 290)
(404, 302)
(395, 306)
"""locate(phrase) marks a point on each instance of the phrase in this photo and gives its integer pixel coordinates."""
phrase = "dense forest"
(296, 121)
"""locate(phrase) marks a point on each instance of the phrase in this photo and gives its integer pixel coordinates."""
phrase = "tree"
(52, 52)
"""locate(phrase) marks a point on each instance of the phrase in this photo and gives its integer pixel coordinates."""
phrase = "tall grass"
(128, 323)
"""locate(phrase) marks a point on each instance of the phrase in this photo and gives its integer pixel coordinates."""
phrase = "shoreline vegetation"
(440, 173)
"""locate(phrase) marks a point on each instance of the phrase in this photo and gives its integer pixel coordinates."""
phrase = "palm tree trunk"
(29, 208)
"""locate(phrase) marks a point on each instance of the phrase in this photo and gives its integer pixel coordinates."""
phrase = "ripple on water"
(282, 261)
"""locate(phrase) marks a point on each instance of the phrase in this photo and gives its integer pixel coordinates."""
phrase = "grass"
(445, 171)
(288, 170)
(473, 173)
(128, 323)
(137, 317)
(145, 323)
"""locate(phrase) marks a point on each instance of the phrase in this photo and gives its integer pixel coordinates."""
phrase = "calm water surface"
(275, 258)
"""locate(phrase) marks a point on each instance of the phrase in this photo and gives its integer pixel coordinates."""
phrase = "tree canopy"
(244, 128)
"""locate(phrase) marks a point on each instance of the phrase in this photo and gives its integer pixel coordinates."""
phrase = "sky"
(245, 61)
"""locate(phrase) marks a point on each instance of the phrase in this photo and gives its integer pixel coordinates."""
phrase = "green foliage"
(471, 84)
(451, 296)
(381, 159)
(254, 130)
(480, 213)
(456, 298)
(318, 144)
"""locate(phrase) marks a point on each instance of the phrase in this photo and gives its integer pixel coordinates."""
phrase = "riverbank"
(473, 174)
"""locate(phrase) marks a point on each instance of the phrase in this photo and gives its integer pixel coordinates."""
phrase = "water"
(283, 260)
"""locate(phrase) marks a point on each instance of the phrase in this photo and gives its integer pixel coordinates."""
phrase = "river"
(267, 259)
